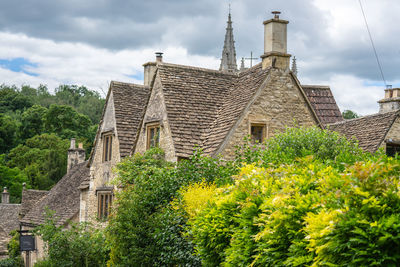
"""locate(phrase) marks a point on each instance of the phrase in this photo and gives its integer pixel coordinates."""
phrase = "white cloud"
(75, 63)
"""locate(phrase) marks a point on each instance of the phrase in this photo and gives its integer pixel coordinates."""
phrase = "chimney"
(159, 57)
(150, 69)
(5, 196)
(391, 101)
(75, 155)
(275, 43)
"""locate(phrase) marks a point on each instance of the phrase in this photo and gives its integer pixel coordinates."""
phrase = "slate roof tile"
(323, 103)
(63, 198)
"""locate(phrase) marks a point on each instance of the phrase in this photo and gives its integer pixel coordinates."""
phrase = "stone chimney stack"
(5, 196)
(75, 155)
(275, 43)
(150, 69)
(391, 102)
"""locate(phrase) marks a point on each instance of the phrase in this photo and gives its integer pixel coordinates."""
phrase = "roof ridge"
(196, 68)
(126, 83)
(314, 86)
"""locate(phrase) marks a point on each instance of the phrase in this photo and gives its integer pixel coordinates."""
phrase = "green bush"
(144, 229)
(77, 245)
(327, 146)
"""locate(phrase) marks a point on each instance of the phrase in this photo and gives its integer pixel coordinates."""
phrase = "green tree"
(8, 129)
(43, 158)
(66, 122)
(12, 100)
(32, 122)
(348, 114)
(12, 178)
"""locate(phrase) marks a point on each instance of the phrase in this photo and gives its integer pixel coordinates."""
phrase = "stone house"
(380, 130)
(62, 199)
(181, 107)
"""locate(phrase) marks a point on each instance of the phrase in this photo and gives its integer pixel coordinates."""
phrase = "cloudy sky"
(93, 42)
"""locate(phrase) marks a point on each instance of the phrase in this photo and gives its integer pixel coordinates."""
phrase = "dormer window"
(153, 135)
(107, 147)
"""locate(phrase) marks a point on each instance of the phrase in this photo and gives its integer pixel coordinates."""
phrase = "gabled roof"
(370, 131)
(193, 97)
(323, 103)
(29, 198)
(130, 101)
(63, 198)
(233, 104)
(203, 105)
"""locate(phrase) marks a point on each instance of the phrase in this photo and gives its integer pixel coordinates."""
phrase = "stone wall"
(156, 113)
(278, 104)
(393, 133)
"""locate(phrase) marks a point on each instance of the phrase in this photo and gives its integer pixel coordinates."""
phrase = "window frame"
(104, 204)
(392, 147)
(107, 140)
(263, 134)
(149, 127)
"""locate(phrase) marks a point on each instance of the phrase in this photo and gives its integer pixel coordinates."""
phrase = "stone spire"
(294, 66)
(228, 60)
(242, 67)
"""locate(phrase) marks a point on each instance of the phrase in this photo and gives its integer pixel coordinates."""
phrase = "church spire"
(228, 60)
(294, 66)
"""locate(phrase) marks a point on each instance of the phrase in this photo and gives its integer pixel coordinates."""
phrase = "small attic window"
(153, 135)
(257, 132)
(392, 149)
(107, 147)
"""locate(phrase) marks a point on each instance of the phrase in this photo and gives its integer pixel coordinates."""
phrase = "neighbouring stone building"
(182, 107)
(380, 130)
(9, 216)
(63, 199)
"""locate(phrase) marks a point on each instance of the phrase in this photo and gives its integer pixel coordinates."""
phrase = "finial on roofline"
(294, 66)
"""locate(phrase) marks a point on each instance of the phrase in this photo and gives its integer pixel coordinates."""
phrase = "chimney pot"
(5, 198)
(23, 186)
(80, 145)
(159, 56)
(72, 146)
(276, 14)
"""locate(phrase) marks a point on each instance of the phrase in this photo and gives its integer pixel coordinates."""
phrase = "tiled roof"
(234, 102)
(9, 216)
(29, 199)
(130, 101)
(9, 220)
(323, 103)
(192, 98)
(203, 105)
(370, 131)
(63, 198)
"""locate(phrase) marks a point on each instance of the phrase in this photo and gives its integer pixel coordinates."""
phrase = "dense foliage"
(78, 245)
(35, 127)
(144, 229)
(307, 197)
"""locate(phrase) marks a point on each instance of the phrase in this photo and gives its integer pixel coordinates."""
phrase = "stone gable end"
(156, 113)
(278, 103)
(100, 172)
(393, 133)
